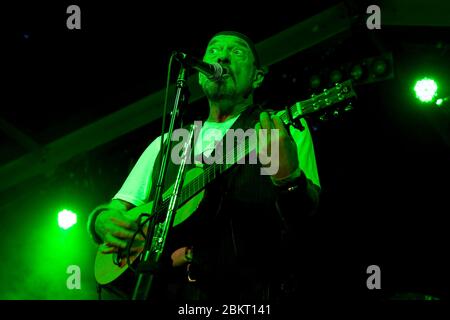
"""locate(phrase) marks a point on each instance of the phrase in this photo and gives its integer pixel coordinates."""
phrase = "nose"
(224, 57)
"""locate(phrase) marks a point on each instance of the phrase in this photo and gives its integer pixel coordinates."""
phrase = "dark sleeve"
(297, 200)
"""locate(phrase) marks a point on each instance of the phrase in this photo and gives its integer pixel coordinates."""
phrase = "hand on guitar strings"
(284, 159)
(116, 229)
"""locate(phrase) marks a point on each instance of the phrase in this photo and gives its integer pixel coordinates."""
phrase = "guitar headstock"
(341, 92)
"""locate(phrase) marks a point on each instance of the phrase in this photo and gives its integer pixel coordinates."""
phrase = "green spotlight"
(439, 102)
(379, 67)
(66, 219)
(425, 89)
(335, 76)
(357, 72)
(314, 81)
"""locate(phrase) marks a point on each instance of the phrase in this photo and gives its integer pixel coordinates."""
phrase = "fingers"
(125, 222)
(274, 122)
(124, 227)
(106, 250)
(125, 234)
(109, 250)
(264, 136)
(257, 127)
(112, 241)
(118, 231)
(265, 121)
(179, 257)
(112, 245)
(278, 124)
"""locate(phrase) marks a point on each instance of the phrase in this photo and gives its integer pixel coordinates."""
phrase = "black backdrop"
(383, 167)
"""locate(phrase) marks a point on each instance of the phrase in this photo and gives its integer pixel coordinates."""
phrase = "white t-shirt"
(136, 188)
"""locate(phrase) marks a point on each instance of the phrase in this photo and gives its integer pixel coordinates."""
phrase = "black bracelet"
(294, 185)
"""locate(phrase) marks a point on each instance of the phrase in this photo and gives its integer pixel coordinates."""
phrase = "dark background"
(383, 167)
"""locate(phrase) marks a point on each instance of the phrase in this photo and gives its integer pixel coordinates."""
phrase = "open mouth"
(226, 71)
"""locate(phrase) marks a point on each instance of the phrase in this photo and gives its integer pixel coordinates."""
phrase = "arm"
(99, 212)
(301, 189)
(109, 225)
(297, 192)
(296, 180)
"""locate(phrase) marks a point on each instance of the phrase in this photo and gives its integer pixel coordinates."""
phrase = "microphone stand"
(156, 238)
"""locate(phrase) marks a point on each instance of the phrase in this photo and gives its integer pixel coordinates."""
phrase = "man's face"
(236, 57)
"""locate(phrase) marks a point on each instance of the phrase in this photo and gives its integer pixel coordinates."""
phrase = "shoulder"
(154, 145)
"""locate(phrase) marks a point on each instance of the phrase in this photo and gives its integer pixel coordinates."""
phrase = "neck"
(220, 111)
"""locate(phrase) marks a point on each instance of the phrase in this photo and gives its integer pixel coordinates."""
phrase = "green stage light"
(425, 89)
(314, 81)
(335, 76)
(356, 72)
(66, 219)
(379, 67)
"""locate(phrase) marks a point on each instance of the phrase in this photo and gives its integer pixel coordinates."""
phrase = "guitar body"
(106, 271)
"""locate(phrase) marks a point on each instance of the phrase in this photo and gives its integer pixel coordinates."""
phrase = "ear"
(258, 78)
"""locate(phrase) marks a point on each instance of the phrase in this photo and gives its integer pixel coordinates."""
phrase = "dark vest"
(236, 232)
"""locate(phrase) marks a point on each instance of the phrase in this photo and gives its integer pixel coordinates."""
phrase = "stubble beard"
(219, 91)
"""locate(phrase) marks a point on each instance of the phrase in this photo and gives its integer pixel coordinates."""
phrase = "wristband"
(293, 185)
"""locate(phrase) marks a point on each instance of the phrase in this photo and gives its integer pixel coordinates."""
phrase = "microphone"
(213, 72)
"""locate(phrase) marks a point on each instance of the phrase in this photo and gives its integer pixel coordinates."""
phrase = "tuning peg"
(349, 107)
(336, 113)
(323, 117)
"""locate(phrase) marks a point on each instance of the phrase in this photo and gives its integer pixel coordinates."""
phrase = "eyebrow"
(238, 41)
